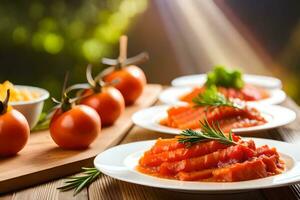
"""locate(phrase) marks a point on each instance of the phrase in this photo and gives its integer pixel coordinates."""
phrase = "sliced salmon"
(241, 171)
(247, 93)
(189, 117)
(191, 95)
(152, 160)
(236, 153)
(162, 145)
(210, 161)
(266, 150)
(195, 175)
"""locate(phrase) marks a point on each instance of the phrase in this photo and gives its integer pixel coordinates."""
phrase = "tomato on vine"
(105, 99)
(74, 126)
(14, 129)
(130, 79)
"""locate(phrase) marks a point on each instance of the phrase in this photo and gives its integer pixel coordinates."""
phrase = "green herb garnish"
(77, 183)
(43, 122)
(221, 76)
(208, 132)
(211, 97)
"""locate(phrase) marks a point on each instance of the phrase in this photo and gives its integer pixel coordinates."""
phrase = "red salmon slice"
(252, 93)
(271, 163)
(162, 145)
(236, 153)
(247, 93)
(191, 95)
(189, 117)
(194, 176)
(266, 150)
(185, 114)
(258, 168)
(152, 160)
(232, 123)
(241, 171)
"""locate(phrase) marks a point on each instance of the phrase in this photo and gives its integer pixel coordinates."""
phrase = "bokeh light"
(53, 43)
(45, 39)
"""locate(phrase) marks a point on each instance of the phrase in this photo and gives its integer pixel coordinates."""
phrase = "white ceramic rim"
(275, 115)
(258, 80)
(44, 95)
(171, 96)
(119, 162)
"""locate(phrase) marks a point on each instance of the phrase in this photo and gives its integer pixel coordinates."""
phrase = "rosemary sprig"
(208, 132)
(212, 98)
(77, 183)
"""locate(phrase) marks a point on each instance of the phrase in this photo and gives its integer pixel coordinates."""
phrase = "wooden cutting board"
(42, 160)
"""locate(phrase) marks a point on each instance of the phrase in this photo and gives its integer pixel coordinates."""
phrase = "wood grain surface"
(108, 188)
(42, 160)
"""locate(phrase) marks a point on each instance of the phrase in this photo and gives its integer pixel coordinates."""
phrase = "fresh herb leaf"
(208, 132)
(43, 122)
(221, 76)
(211, 97)
(77, 183)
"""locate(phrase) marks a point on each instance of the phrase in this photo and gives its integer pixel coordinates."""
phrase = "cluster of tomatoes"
(76, 122)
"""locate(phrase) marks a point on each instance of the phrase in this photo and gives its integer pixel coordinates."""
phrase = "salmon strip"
(247, 93)
(152, 160)
(232, 123)
(162, 145)
(195, 175)
(229, 112)
(266, 150)
(252, 93)
(237, 153)
(188, 118)
(191, 95)
(258, 168)
(241, 171)
(271, 163)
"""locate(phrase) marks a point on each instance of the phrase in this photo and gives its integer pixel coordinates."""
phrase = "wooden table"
(108, 188)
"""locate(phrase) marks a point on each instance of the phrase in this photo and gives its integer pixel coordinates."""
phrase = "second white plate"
(276, 116)
(172, 96)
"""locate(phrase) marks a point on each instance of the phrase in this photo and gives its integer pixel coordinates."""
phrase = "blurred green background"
(41, 40)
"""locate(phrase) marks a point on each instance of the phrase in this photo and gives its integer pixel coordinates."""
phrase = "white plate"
(276, 116)
(119, 162)
(199, 79)
(172, 96)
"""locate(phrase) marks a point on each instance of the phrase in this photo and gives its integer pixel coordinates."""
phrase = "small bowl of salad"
(28, 100)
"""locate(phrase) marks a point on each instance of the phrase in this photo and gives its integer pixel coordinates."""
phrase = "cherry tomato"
(109, 104)
(14, 132)
(130, 81)
(75, 128)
